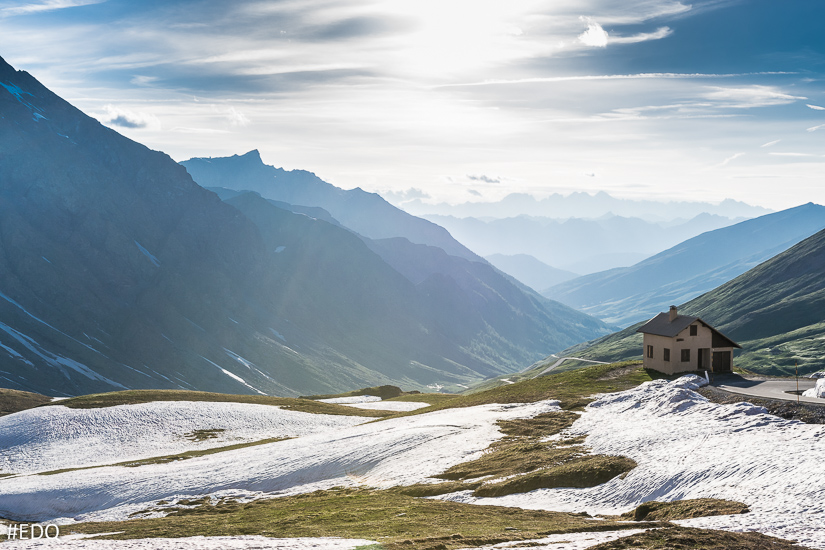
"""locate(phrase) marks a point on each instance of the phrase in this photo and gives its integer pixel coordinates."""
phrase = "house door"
(721, 361)
(704, 359)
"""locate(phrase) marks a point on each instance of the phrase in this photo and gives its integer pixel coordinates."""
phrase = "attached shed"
(681, 343)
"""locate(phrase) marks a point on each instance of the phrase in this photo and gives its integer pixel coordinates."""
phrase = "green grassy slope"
(776, 311)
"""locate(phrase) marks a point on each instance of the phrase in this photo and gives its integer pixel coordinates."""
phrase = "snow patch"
(687, 447)
(398, 451)
(148, 254)
(351, 399)
(57, 437)
(395, 406)
(816, 391)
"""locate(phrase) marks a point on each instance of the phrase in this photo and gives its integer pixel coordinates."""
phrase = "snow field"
(816, 391)
(352, 399)
(687, 447)
(399, 451)
(395, 406)
(57, 437)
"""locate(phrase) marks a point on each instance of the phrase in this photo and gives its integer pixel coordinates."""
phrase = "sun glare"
(458, 36)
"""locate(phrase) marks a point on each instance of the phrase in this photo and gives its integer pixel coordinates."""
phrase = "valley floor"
(685, 447)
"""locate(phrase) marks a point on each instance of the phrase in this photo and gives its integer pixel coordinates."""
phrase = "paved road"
(772, 389)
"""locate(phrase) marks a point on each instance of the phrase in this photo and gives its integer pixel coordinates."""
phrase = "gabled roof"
(661, 326)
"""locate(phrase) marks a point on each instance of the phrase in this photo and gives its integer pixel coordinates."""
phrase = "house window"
(667, 354)
(685, 356)
(650, 352)
(694, 330)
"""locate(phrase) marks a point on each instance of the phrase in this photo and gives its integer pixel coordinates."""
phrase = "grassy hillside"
(630, 294)
(775, 311)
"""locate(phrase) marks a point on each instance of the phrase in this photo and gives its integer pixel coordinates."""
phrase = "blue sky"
(457, 99)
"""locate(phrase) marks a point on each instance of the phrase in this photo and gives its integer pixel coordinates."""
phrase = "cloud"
(748, 97)
(483, 178)
(791, 154)
(474, 192)
(49, 5)
(595, 36)
(771, 143)
(731, 159)
(816, 107)
(815, 128)
(234, 116)
(400, 197)
(658, 34)
(124, 118)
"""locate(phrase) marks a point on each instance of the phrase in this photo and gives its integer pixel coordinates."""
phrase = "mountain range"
(584, 205)
(579, 245)
(366, 213)
(775, 311)
(118, 271)
(626, 295)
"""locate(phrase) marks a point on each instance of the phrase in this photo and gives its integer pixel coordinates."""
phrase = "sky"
(457, 100)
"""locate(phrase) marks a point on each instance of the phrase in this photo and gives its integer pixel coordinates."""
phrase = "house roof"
(662, 326)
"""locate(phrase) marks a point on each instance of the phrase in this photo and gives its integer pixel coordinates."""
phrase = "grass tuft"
(579, 472)
(684, 509)
(674, 537)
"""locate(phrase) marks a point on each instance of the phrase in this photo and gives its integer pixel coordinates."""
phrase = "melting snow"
(352, 399)
(687, 447)
(56, 437)
(398, 451)
(816, 391)
(397, 406)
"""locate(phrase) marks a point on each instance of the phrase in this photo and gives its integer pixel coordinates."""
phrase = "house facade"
(676, 343)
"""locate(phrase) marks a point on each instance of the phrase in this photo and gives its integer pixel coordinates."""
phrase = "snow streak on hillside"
(687, 447)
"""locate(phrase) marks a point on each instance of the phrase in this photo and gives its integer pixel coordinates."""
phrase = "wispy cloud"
(658, 34)
(125, 118)
(49, 5)
(748, 97)
(731, 159)
(816, 107)
(815, 128)
(771, 143)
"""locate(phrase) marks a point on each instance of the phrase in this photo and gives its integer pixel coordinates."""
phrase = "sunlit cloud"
(658, 34)
(50, 5)
(125, 118)
(816, 107)
(595, 35)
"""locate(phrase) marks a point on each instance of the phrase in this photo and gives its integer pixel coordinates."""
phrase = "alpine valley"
(118, 271)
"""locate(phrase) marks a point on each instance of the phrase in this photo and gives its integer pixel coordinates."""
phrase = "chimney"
(673, 313)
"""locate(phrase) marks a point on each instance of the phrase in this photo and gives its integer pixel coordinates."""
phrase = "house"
(680, 343)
